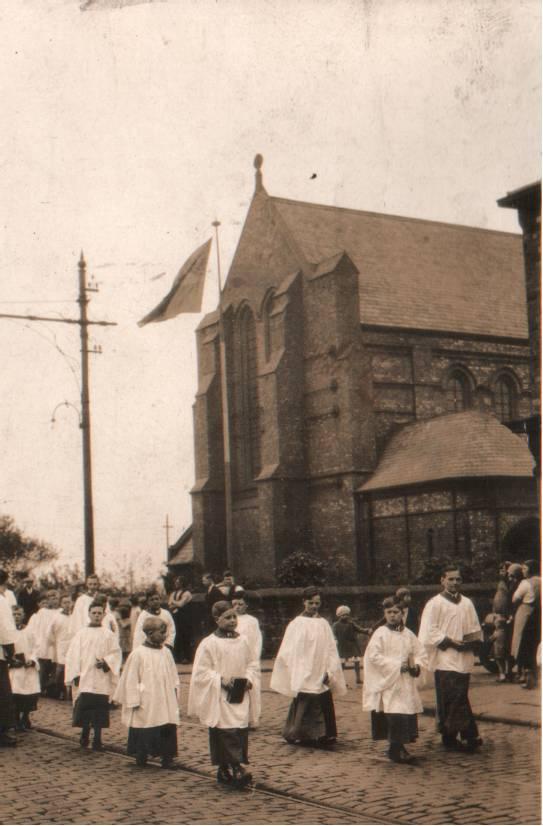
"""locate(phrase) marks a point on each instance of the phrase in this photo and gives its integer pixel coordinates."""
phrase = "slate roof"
(455, 446)
(418, 274)
(182, 551)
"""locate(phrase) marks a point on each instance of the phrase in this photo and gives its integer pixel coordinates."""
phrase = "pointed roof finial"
(257, 163)
(81, 259)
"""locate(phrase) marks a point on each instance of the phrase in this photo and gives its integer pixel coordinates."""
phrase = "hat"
(343, 611)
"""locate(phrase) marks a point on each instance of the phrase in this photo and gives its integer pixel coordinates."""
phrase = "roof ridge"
(395, 217)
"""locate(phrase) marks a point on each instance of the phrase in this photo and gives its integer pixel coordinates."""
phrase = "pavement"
(54, 781)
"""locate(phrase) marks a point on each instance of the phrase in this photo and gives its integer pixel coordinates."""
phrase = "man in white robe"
(148, 691)
(153, 609)
(222, 662)
(451, 632)
(93, 664)
(308, 668)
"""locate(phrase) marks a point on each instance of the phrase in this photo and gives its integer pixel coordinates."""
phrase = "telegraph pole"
(85, 423)
(85, 417)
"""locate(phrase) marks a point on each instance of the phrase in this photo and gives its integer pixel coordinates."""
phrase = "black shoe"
(141, 760)
(98, 746)
(84, 740)
(7, 741)
(224, 776)
(400, 756)
(451, 742)
(472, 745)
(167, 763)
(241, 778)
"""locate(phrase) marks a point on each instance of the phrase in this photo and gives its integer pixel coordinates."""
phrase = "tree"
(19, 552)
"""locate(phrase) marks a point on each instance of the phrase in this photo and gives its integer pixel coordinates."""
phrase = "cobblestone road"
(53, 781)
(499, 785)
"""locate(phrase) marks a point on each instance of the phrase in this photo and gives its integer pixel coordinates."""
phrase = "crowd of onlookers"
(513, 628)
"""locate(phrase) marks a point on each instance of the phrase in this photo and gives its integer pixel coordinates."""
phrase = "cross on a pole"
(167, 527)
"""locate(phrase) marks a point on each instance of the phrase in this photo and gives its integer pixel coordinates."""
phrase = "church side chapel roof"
(454, 446)
(182, 551)
(418, 274)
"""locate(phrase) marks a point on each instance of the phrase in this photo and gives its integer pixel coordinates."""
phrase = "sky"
(128, 127)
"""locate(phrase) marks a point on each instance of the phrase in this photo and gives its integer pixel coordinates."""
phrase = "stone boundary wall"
(275, 607)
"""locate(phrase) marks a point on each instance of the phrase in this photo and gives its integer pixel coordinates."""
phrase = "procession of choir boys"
(98, 654)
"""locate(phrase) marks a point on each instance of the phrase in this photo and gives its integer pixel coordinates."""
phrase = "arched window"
(504, 399)
(458, 392)
(246, 417)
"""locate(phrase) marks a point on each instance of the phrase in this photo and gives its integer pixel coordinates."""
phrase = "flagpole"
(225, 416)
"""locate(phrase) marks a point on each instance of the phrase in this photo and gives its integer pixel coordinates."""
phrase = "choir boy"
(308, 669)
(247, 626)
(392, 661)
(24, 673)
(148, 692)
(225, 695)
(93, 663)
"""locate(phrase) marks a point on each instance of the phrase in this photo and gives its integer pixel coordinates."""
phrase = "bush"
(300, 569)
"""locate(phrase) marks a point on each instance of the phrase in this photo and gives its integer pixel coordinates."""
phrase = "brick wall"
(275, 608)
(410, 370)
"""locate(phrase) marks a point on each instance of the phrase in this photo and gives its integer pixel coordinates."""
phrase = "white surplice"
(225, 657)
(148, 689)
(443, 618)
(7, 625)
(308, 652)
(249, 628)
(25, 680)
(89, 645)
(165, 616)
(386, 688)
(60, 636)
(40, 626)
(79, 618)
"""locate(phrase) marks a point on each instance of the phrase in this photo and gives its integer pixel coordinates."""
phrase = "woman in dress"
(181, 611)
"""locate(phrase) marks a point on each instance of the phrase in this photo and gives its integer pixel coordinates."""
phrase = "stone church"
(371, 362)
